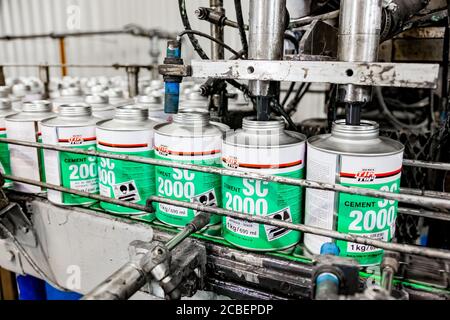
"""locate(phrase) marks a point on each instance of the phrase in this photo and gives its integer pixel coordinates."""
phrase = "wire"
(288, 94)
(301, 92)
(204, 35)
(276, 105)
(30, 260)
(187, 26)
(391, 117)
(241, 26)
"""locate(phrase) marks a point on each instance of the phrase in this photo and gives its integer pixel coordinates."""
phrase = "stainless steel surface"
(407, 75)
(265, 36)
(298, 22)
(406, 198)
(358, 41)
(133, 81)
(404, 248)
(217, 51)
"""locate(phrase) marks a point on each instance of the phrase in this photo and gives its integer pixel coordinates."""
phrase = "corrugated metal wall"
(42, 16)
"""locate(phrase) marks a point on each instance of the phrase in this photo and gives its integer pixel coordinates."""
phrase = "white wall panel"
(41, 16)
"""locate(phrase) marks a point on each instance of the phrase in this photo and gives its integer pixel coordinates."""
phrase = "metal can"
(353, 156)
(5, 165)
(74, 127)
(194, 99)
(67, 96)
(116, 97)
(263, 147)
(155, 107)
(129, 133)
(190, 138)
(27, 162)
(100, 106)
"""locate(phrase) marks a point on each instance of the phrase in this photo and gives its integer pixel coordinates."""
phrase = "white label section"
(173, 210)
(291, 158)
(361, 248)
(125, 141)
(370, 170)
(319, 204)
(24, 160)
(51, 163)
(245, 228)
(188, 148)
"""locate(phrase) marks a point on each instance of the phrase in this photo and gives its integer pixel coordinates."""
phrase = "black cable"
(187, 26)
(292, 106)
(293, 40)
(241, 25)
(207, 36)
(288, 94)
(276, 105)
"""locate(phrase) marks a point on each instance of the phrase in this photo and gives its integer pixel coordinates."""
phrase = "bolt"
(24, 229)
(10, 255)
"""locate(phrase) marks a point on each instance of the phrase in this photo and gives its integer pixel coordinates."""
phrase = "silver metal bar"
(427, 193)
(383, 74)
(266, 36)
(437, 203)
(59, 65)
(358, 41)
(303, 21)
(427, 164)
(404, 248)
(425, 213)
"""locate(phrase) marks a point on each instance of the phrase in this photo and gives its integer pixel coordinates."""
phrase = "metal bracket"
(13, 218)
(408, 75)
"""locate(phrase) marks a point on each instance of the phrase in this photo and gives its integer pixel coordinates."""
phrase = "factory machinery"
(370, 219)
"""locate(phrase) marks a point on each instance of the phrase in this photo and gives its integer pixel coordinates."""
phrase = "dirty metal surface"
(410, 75)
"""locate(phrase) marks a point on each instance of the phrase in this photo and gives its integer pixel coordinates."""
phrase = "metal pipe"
(139, 31)
(2, 76)
(121, 285)
(406, 198)
(358, 41)
(133, 81)
(424, 213)
(404, 248)
(62, 56)
(427, 164)
(303, 21)
(217, 51)
(44, 76)
(387, 275)
(266, 41)
(58, 65)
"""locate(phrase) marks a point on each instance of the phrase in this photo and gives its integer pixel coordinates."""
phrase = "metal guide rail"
(442, 203)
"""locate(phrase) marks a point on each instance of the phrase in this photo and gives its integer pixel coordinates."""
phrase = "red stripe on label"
(122, 145)
(2, 129)
(186, 153)
(268, 166)
(377, 175)
(84, 139)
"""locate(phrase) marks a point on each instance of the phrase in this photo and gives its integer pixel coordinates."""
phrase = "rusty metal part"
(303, 21)
(414, 250)
(409, 75)
(437, 203)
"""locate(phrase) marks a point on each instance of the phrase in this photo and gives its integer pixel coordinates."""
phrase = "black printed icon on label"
(126, 191)
(207, 198)
(273, 232)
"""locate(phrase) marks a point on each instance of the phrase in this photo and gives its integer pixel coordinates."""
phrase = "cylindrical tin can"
(263, 147)
(74, 127)
(116, 97)
(190, 138)
(27, 162)
(130, 132)
(100, 106)
(5, 165)
(155, 107)
(353, 156)
(67, 96)
(194, 100)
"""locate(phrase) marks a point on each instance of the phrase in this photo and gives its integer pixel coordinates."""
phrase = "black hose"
(187, 26)
(207, 36)
(288, 94)
(276, 105)
(298, 97)
(241, 25)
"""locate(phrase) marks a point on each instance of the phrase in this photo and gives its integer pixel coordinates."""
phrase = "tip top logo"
(366, 175)
(163, 150)
(76, 139)
(231, 162)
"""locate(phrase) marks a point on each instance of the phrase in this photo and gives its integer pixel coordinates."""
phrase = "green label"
(5, 160)
(256, 197)
(188, 186)
(41, 162)
(366, 216)
(126, 180)
(78, 172)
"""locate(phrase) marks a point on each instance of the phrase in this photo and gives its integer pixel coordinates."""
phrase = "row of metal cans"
(350, 155)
